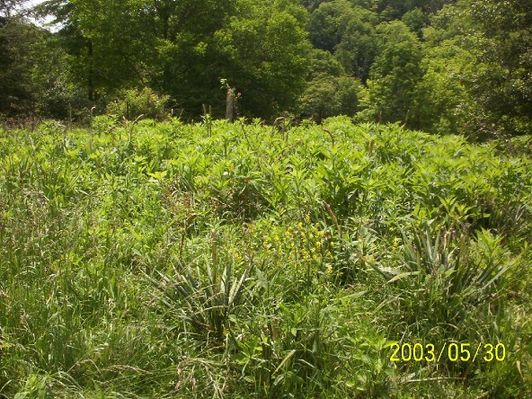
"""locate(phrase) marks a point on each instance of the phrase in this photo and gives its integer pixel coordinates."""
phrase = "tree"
(328, 95)
(348, 32)
(19, 40)
(329, 91)
(108, 41)
(11, 8)
(328, 23)
(503, 84)
(416, 20)
(323, 62)
(395, 9)
(264, 53)
(15, 46)
(447, 106)
(184, 48)
(188, 61)
(393, 84)
(357, 49)
(311, 5)
(478, 68)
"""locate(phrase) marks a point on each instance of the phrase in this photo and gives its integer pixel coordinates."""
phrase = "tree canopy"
(438, 65)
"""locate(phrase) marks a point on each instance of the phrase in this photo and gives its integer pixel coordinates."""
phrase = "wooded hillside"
(438, 65)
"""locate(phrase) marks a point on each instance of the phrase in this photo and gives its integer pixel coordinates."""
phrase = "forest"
(265, 199)
(441, 66)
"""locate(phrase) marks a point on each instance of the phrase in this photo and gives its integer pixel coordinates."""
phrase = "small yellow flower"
(395, 243)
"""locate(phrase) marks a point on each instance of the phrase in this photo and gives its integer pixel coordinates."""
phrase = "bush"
(329, 96)
(134, 103)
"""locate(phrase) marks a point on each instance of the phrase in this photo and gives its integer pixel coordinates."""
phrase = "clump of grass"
(206, 296)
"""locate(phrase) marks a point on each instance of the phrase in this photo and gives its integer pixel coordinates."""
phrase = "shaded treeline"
(441, 66)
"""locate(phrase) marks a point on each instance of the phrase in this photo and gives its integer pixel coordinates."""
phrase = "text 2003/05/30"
(452, 351)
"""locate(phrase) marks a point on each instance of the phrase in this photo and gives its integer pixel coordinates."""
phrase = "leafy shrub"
(328, 96)
(104, 123)
(134, 103)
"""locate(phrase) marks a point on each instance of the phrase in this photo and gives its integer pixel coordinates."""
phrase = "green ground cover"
(213, 260)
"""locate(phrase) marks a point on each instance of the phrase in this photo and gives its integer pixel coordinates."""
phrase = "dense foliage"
(371, 185)
(442, 66)
(233, 260)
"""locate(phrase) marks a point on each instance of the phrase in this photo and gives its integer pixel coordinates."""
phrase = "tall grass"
(224, 260)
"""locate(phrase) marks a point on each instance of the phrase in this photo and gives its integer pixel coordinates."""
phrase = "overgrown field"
(166, 260)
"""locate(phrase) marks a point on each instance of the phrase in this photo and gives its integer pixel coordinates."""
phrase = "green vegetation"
(164, 259)
(265, 199)
(441, 66)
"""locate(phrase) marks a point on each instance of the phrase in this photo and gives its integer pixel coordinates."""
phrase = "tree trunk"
(230, 105)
